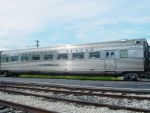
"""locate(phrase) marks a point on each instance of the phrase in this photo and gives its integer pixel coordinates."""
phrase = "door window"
(110, 54)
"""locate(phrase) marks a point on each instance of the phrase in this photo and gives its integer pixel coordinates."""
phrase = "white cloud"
(141, 20)
(19, 18)
(32, 15)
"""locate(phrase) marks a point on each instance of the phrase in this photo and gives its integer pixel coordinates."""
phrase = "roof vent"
(138, 42)
(123, 40)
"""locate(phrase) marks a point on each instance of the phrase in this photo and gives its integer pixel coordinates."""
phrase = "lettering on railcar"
(48, 64)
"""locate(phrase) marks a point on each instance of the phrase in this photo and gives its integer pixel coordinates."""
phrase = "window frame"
(4, 59)
(90, 55)
(45, 57)
(122, 55)
(14, 58)
(73, 55)
(36, 56)
(24, 58)
(110, 54)
(62, 58)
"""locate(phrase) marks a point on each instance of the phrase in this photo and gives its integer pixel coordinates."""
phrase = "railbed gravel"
(145, 104)
(60, 107)
(86, 91)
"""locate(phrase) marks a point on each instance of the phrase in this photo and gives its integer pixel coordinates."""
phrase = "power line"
(0, 60)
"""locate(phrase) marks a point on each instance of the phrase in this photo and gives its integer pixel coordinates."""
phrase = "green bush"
(77, 77)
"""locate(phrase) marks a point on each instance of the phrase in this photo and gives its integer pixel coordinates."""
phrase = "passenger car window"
(94, 55)
(123, 53)
(48, 57)
(4, 59)
(36, 57)
(62, 56)
(77, 55)
(14, 58)
(24, 58)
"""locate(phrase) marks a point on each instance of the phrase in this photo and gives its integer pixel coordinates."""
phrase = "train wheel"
(131, 77)
(7, 74)
(4, 74)
(15, 74)
(126, 77)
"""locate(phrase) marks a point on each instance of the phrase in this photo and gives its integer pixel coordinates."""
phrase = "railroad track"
(104, 90)
(88, 93)
(11, 107)
(36, 89)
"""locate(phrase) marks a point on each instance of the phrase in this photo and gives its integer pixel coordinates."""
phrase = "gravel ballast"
(144, 104)
(61, 107)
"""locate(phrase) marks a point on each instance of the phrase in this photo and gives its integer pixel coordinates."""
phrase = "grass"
(77, 77)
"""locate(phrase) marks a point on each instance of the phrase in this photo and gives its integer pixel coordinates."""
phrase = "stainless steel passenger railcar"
(127, 58)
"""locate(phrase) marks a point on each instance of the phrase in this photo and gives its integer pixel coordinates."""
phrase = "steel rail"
(26, 108)
(114, 107)
(79, 93)
(78, 88)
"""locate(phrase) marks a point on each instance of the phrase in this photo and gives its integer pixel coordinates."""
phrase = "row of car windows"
(81, 55)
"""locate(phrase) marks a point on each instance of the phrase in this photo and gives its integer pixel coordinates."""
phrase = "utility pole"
(37, 43)
(0, 61)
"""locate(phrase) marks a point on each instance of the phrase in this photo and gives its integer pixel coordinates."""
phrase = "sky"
(63, 22)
